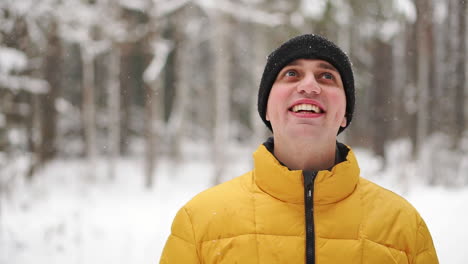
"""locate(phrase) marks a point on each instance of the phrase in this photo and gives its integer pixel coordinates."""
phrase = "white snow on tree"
(13, 62)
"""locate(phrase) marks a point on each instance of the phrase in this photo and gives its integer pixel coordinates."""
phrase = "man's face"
(307, 99)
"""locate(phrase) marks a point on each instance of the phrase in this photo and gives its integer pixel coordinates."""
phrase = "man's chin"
(305, 131)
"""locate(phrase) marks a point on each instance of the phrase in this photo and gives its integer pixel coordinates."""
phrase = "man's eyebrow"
(322, 65)
(293, 63)
(328, 67)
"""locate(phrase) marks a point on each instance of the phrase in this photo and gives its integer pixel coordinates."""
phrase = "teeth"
(306, 107)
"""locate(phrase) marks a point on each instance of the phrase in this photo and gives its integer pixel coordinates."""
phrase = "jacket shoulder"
(217, 195)
(389, 219)
(374, 194)
(212, 211)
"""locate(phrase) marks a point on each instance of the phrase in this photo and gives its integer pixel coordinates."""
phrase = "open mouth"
(306, 108)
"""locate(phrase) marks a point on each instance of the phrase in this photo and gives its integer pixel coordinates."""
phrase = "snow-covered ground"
(63, 217)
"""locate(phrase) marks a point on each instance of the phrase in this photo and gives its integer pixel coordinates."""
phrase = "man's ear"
(344, 122)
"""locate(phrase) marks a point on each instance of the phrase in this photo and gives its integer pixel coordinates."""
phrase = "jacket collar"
(330, 186)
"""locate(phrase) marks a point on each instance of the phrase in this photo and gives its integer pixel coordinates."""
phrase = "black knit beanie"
(308, 46)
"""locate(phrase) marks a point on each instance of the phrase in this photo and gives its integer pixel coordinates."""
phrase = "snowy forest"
(114, 113)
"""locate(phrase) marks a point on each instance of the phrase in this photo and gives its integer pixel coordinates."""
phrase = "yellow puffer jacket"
(259, 218)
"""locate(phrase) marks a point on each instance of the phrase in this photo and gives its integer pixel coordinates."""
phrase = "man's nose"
(309, 85)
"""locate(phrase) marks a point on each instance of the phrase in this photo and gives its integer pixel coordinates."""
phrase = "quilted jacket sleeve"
(425, 251)
(180, 246)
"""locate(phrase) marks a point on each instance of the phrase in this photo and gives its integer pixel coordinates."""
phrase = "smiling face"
(307, 99)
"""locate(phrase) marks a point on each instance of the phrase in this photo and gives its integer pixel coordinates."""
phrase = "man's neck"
(306, 154)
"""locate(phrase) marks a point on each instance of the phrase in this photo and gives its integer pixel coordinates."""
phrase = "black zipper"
(309, 177)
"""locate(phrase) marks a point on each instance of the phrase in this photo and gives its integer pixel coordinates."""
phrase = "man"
(304, 201)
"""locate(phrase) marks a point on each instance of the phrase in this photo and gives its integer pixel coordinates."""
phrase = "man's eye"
(290, 73)
(328, 76)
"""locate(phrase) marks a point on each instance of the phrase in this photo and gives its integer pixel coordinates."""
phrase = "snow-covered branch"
(244, 12)
(15, 61)
(29, 84)
(161, 50)
(164, 8)
(12, 60)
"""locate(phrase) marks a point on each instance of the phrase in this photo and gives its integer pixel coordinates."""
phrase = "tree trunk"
(423, 39)
(259, 61)
(151, 106)
(411, 89)
(153, 110)
(113, 106)
(150, 135)
(126, 87)
(399, 84)
(177, 120)
(89, 111)
(34, 135)
(222, 103)
(440, 71)
(52, 72)
(381, 96)
(461, 74)
(344, 41)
